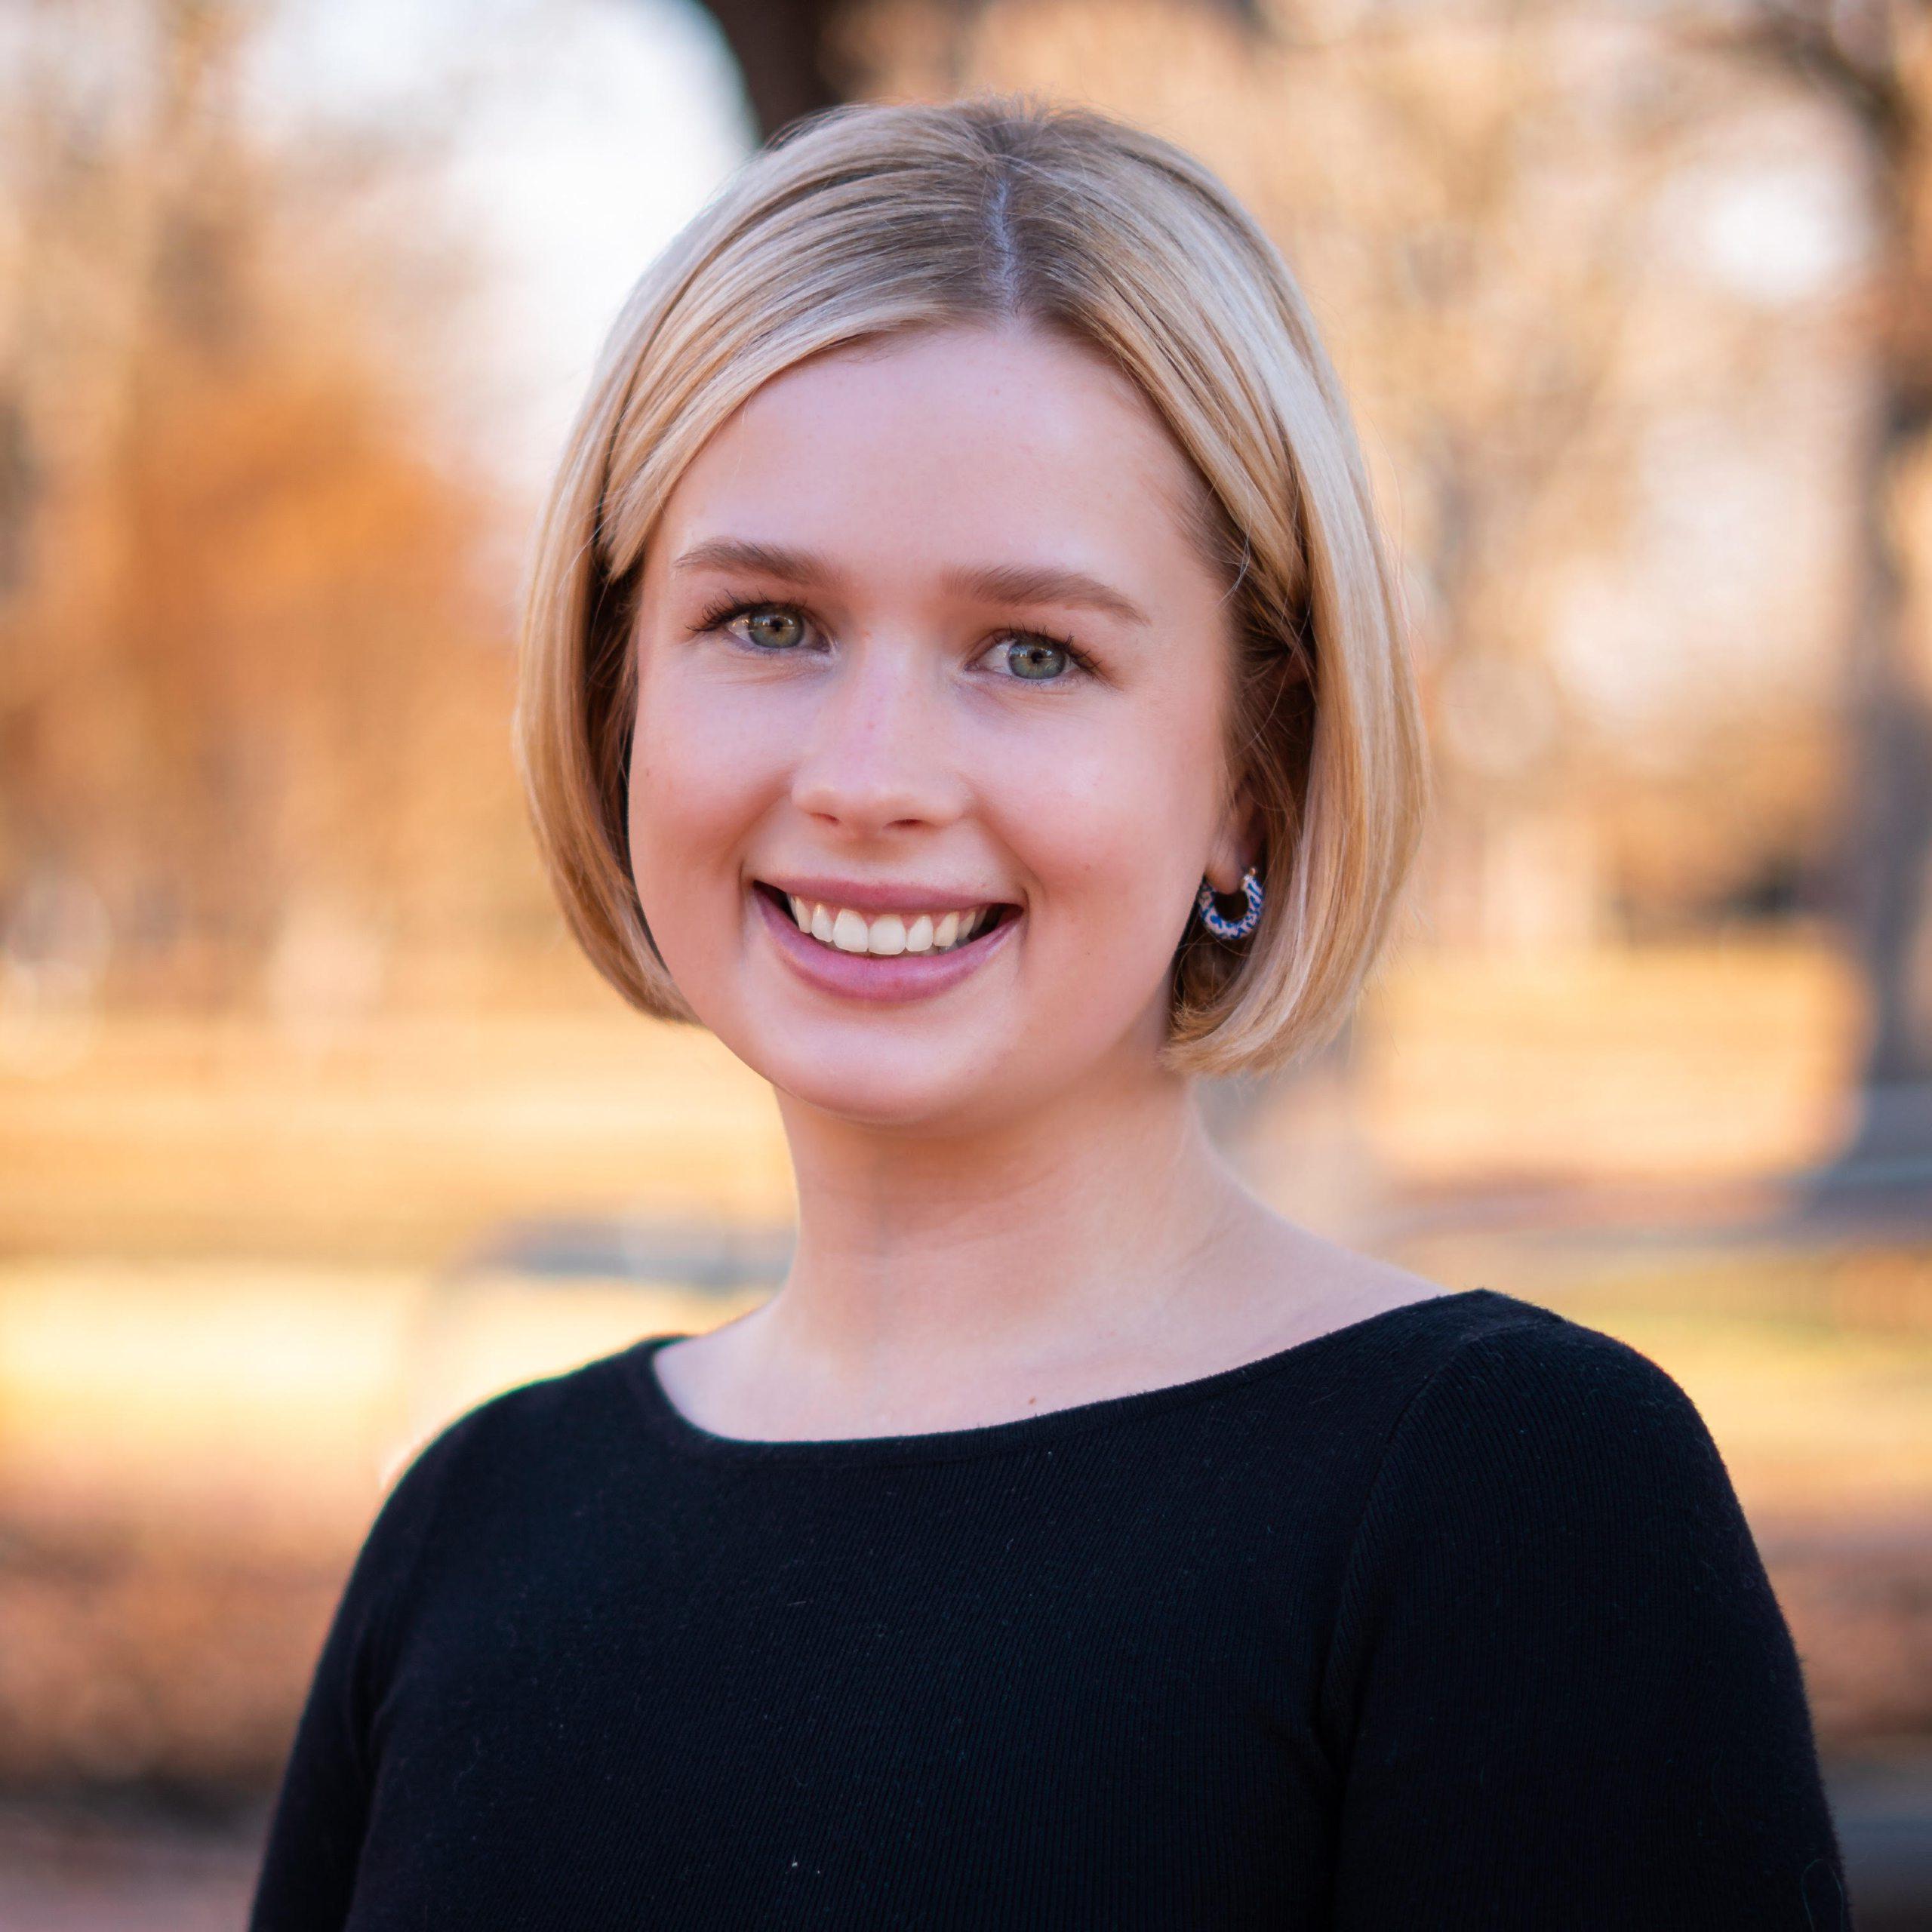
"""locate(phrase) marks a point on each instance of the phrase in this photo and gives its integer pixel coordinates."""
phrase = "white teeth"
(888, 934)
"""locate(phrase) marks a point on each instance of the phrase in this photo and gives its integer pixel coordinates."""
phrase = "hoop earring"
(1249, 889)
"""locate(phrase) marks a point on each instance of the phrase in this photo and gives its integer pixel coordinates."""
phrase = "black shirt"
(1446, 1618)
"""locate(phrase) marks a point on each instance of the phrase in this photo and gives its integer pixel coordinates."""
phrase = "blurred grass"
(1734, 1056)
(399, 1139)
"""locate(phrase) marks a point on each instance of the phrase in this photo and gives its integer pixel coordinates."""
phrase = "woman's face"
(926, 656)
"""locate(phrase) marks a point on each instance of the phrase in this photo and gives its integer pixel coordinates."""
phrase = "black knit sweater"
(1446, 1618)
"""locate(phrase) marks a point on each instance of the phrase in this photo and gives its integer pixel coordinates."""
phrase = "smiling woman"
(1147, 299)
(980, 670)
(961, 584)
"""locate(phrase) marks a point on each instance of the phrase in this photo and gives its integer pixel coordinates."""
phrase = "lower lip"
(884, 978)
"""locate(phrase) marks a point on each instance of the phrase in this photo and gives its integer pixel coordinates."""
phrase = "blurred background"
(314, 1130)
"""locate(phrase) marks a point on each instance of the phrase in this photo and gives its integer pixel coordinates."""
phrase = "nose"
(880, 750)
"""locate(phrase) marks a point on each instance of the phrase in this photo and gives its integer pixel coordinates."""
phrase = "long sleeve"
(308, 1874)
(1561, 1690)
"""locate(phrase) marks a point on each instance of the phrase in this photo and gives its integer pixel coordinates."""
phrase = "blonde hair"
(864, 221)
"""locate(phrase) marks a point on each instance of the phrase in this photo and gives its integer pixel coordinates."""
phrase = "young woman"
(962, 671)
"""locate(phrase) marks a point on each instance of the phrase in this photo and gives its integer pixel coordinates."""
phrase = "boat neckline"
(672, 1426)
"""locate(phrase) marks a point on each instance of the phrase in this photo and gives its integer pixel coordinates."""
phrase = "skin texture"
(1006, 1205)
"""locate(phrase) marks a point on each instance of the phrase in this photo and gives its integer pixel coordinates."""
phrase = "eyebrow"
(999, 583)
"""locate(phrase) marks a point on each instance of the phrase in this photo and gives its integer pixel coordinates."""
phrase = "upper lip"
(880, 895)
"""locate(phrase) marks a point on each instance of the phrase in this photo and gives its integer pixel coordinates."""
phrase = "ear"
(1237, 846)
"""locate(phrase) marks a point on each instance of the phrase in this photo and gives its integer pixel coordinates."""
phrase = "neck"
(1081, 1226)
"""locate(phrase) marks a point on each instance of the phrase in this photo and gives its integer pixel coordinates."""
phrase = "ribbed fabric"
(1448, 1618)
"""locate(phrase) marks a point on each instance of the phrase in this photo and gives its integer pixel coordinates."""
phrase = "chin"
(908, 1085)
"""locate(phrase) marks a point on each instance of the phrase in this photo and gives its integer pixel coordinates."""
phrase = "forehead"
(982, 442)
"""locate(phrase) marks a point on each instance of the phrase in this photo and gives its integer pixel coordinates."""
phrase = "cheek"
(1114, 826)
(699, 776)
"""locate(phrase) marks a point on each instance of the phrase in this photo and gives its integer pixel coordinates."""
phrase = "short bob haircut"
(863, 222)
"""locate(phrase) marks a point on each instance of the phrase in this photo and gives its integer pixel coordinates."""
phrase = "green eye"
(1036, 657)
(772, 630)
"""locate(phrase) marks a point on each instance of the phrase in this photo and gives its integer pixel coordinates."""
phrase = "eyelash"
(722, 614)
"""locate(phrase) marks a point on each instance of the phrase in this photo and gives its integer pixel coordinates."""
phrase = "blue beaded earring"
(1251, 889)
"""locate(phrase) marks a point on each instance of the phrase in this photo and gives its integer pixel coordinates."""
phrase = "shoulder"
(1539, 1452)
(1557, 1675)
(1519, 1360)
(516, 1443)
(1523, 1388)
(547, 1416)
(1550, 1504)
(515, 1458)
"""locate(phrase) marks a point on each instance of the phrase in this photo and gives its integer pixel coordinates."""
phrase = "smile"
(883, 955)
(887, 934)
